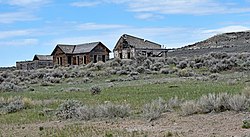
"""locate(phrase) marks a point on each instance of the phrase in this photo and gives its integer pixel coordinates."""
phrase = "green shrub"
(68, 109)
(95, 90)
(14, 104)
(72, 109)
(246, 124)
(185, 73)
(10, 87)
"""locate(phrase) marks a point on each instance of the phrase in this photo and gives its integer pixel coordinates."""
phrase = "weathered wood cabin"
(129, 47)
(39, 61)
(65, 55)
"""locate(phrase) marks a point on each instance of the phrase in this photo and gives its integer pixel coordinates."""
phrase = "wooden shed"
(66, 55)
(129, 47)
(39, 61)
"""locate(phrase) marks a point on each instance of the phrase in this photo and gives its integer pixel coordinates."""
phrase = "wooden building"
(66, 55)
(129, 47)
(39, 61)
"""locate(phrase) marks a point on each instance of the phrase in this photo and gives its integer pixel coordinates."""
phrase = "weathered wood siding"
(99, 53)
(36, 64)
(60, 58)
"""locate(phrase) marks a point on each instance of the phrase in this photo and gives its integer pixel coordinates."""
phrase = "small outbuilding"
(129, 47)
(39, 61)
(66, 55)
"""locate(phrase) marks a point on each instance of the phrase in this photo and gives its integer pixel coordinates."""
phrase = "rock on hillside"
(231, 39)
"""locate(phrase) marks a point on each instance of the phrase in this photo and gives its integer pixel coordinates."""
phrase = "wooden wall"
(36, 64)
(60, 58)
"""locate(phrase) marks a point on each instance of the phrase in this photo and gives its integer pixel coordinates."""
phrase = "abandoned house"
(129, 47)
(65, 55)
(39, 61)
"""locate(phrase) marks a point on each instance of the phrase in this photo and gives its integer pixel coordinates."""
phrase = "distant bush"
(157, 66)
(219, 55)
(1, 79)
(174, 103)
(189, 108)
(185, 73)
(154, 109)
(99, 65)
(165, 71)
(85, 113)
(111, 110)
(9, 87)
(214, 102)
(116, 62)
(198, 65)
(127, 62)
(238, 103)
(172, 61)
(147, 63)
(246, 92)
(46, 83)
(57, 73)
(86, 80)
(14, 104)
(140, 69)
(54, 80)
(72, 109)
(7, 74)
(182, 65)
(95, 90)
(214, 76)
(246, 123)
(122, 72)
(68, 109)
(133, 73)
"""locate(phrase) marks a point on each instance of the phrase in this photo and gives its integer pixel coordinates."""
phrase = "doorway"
(69, 60)
(120, 54)
(84, 60)
(129, 55)
(95, 58)
(103, 58)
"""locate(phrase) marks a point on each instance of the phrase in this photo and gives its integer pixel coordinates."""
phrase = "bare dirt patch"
(226, 124)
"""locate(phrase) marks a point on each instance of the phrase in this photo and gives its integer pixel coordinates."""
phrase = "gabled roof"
(43, 57)
(85, 48)
(138, 42)
(66, 48)
(78, 49)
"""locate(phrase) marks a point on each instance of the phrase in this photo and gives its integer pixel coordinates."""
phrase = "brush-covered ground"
(207, 95)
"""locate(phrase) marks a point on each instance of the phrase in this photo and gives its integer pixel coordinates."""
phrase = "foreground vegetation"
(142, 89)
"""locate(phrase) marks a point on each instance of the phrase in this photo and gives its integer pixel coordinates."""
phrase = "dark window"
(85, 60)
(61, 61)
(120, 54)
(95, 58)
(125, 44)
(58, 61)
(103, 58)
(69, 60)
(129, 55)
